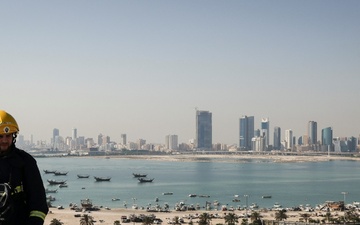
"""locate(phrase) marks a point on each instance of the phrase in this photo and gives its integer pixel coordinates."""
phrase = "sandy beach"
(108, 216)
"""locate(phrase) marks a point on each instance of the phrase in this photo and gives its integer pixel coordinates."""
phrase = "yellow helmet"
(8, 124)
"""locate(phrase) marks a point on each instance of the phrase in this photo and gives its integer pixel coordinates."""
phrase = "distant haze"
(142, 67)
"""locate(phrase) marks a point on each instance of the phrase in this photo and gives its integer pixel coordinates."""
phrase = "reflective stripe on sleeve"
(39, 214)
(18, 189)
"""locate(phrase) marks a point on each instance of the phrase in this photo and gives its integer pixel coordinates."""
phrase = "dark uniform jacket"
(27, 203)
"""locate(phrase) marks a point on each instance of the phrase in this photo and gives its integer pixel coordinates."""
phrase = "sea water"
(289, 184)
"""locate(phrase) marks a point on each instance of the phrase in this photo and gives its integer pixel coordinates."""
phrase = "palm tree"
(280, 215)
(55, 222)
(86, 220)
(255, 218)
(244, 221)
(204, 219)
(147, 220)
(305, 216)
(176, 220)
(231, 219)
(117, 222)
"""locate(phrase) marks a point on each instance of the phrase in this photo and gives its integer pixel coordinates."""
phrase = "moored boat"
(139, 175)
(59, 173)
(86, 203)
(47, 190)
(63, 185)
(102, 178)
(144, 180)
(204, 196)
(168, 193)
(49, 171)
(266, 196)
(83, 176)
(55, 182)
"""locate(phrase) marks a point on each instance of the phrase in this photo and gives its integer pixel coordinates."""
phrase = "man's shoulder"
(24, 155)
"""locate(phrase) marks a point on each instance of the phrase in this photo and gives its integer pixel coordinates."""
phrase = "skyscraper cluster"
(250, 139)
(259, 139)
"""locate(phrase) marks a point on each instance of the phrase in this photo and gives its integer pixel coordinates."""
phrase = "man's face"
(5, 142)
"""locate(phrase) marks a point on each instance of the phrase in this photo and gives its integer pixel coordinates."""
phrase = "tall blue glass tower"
(203, 130)
(312, 132)
(327, 136)
(246, 132)
(277, 138)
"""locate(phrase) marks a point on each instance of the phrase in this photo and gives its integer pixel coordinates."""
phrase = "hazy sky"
(142, 67)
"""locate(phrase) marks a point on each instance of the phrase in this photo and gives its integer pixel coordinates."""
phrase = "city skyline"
(205, 123)
(143, 68)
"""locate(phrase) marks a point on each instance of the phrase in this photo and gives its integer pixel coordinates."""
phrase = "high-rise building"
(123, 139)
(74, 133)
(327, 136)
(288, 139)
(265, 126)
(171, 142)
(258, 144)
(312, 132)
(277, 138)
(203, 129)
(56, 133)
(246, 132)
(351, 143)
(257, 133)
(100, 139)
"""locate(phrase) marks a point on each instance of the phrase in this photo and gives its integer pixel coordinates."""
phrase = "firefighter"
(22, 193)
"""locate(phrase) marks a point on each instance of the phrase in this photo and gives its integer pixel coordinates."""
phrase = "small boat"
(144, 180)
(266, 196)
(204, 196)
(167, 193)
(254, 206)
(102, 178)
(139, 175)
(47, 190)
(49, 171)
(277, 205)
(83, 176)
(56, 182)
(115, 199)
(236, 200)
(192, 195)
(58, 173)
(63, 185)
(86, 203)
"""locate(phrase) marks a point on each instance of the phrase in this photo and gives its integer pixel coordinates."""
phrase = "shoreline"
(237, 158)
(109, 216)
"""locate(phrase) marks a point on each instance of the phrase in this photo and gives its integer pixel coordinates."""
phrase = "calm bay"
(290, 184)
